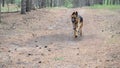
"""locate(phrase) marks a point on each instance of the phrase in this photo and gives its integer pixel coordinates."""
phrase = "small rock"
(36, 41)
(102, 30)
(49, 50)
(40, 48)
(85, 64)
(18, 59)
(112, 36)
(9, 51)
(111, 26)
(30, 54)
(117, 32)
(100, 60)
(107, 60)
(33, 35)
(3, 66)
(39, 62)
(36, 45)
(77, 48)
(42, 54)
(96, 67)
(45, 46)
(77, 53)
(15, 49)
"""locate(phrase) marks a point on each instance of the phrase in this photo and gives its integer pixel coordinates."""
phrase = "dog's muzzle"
(74, 29)
(73, 20)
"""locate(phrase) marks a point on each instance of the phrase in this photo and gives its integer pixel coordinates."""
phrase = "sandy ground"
(44, 39)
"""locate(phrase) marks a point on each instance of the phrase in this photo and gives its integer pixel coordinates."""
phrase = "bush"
(68, 3)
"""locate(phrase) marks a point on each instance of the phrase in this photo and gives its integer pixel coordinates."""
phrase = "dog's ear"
(76, 13)
(73, 13)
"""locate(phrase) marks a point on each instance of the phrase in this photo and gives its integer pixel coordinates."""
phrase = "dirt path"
(44, 39)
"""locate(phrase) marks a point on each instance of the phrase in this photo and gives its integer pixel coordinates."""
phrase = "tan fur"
(77, 25)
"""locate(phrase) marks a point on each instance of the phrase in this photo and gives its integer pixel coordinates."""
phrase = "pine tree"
(23, 6)
(0, 11)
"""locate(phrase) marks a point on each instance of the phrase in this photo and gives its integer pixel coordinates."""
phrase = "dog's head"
(74, 17)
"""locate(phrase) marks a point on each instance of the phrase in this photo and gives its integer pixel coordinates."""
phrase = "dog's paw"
(76, 36)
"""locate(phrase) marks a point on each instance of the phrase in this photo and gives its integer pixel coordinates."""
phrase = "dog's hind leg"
(80, 29)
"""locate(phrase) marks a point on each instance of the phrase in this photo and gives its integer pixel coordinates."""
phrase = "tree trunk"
(0, 11)
(23, 6)
(3, 3)
(32, 4)
(39, 3)
(50, 3)
(28, 5)
(43, 3)
(87, 3)
(12, 1)
(75, 3)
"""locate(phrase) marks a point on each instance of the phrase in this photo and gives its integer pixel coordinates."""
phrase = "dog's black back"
(81, 18)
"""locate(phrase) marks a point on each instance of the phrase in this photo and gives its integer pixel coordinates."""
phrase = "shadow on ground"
(59, 38)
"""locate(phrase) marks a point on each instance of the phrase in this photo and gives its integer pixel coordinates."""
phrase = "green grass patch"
(56, 8)
(114, 40)
(10, 8)
(58, 58)
(105, 6)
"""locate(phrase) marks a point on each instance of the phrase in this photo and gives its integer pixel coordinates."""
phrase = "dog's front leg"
(76, 30)
(81, 25)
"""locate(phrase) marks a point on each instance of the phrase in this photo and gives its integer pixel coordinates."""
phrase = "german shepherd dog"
(77, 22)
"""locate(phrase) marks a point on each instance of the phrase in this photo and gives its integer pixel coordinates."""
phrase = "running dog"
(77, 22)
